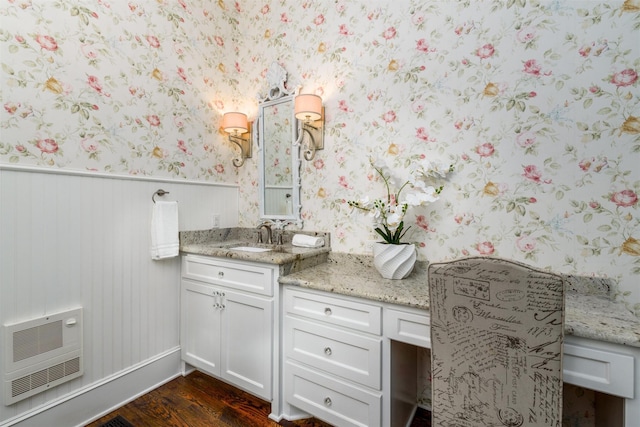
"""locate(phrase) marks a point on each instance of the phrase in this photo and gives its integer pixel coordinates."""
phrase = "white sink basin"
(250, 249)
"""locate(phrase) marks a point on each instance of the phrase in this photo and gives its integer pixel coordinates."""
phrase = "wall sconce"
(236, 125)
(310, 112)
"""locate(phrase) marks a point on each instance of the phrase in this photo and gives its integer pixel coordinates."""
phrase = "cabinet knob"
(327, 401)
(327, 351)
(327, 311)
(221, 274)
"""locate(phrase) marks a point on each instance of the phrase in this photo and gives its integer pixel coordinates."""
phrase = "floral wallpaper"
(115, 86)
(536, 103)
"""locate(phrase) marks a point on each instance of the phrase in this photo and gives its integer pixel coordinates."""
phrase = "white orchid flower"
(394, 219)
(387, 213)
(365, 203)
(422, 198)
(384, 171)
(427, 168)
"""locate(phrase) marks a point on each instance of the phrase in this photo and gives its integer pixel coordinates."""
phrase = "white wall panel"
(79, 240)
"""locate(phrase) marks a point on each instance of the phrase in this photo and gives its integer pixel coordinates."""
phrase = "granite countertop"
(590, 313)
(220, 243)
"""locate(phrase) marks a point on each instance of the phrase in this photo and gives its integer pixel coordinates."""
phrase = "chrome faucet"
(269, 233)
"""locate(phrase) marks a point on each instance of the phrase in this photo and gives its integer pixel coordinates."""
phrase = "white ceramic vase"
(394, 261)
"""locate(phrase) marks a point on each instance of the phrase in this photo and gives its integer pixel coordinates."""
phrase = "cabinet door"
(200, 326)
(247, 342)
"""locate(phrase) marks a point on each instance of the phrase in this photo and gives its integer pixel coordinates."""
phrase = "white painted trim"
(91, 174)
(89, 403)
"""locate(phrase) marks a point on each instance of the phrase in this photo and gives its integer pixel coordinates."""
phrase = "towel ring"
(160, 193)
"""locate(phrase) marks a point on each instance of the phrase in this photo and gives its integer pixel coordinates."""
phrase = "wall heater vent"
(41, 353)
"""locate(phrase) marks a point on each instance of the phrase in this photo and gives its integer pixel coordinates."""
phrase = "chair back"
(496, 335)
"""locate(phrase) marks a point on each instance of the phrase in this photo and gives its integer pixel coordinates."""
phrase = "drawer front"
(351, 356)
(336, 311)
(241, 276)
(410, 328)
(605, 371)
(333, 401)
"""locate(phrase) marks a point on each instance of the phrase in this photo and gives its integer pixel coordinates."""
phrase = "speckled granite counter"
(589, 311)
(220, 243)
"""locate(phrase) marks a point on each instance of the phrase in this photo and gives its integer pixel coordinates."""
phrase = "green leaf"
(7, 69)
(587, 217)
(587, 103)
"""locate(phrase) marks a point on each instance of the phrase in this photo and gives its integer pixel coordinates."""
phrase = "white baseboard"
(98, 399)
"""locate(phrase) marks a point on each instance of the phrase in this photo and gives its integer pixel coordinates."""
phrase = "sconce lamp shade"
(308, 107)
(235, 123)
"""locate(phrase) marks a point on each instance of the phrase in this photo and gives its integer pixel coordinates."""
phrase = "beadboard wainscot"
(82, 239)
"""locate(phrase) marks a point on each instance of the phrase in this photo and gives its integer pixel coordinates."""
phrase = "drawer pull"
(327, 311)
(327, 401)
(221, 274)
(327, 351)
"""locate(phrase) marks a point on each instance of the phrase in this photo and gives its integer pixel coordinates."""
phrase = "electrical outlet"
(216, 221)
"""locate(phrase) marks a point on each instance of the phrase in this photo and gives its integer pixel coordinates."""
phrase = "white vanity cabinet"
(333, 357)
(227, 321)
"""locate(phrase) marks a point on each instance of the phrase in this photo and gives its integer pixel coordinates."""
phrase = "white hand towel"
(306, 241)
(165, 242)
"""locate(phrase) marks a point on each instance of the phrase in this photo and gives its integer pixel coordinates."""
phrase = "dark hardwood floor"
(199, 400)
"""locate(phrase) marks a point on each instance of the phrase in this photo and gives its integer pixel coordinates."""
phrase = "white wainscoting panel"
(73, 240)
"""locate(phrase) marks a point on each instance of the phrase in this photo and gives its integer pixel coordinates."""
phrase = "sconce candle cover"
(308, 107)
(235, 122)
(310, 113)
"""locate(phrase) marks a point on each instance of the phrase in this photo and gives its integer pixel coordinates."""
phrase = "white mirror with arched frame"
(279, 159)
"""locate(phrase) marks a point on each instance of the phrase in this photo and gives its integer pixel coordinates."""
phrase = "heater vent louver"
(37, 340)
(42, 353)
(45, 377)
